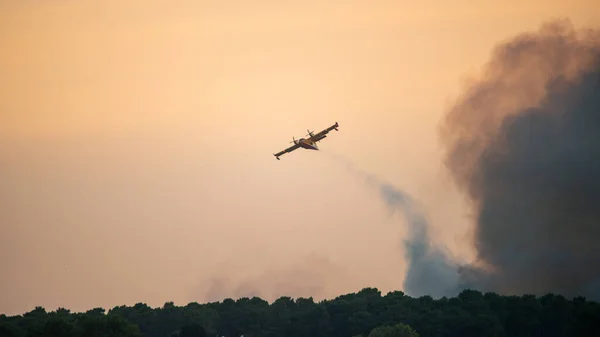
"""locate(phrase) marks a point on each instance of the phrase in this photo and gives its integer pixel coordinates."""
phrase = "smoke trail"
(523, 144)
(430, 270)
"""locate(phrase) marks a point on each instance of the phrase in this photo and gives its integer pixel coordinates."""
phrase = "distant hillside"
(366, 313)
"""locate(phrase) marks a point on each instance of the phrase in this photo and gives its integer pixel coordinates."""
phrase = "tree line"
(365, 313)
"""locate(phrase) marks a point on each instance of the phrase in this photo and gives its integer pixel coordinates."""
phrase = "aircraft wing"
(289, 149)
(318, 136)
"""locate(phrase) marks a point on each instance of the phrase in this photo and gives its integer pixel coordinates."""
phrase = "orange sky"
(136, 142)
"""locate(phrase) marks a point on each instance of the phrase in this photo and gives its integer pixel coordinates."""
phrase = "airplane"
(309, 143)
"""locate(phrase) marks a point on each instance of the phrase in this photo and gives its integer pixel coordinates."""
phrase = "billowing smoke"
(430, 270)
(523, 144)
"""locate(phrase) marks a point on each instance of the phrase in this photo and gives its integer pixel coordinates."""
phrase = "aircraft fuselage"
(307, 144)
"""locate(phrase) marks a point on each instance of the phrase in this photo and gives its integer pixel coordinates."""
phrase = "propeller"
(310, 133)
(294, 141)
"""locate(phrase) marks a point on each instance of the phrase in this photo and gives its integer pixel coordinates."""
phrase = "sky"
(136, 142)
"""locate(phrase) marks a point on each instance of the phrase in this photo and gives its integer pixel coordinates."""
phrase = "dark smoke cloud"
(430, 270)
(523, 144)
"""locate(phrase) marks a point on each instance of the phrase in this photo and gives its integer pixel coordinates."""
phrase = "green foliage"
(193, 330)
(365, 313)
(398, 330)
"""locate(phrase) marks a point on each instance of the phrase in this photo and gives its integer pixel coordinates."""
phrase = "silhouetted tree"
(365, 313)
(192, 330)
(398, 330)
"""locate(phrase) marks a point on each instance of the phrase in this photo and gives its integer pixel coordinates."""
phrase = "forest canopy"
(366, 313)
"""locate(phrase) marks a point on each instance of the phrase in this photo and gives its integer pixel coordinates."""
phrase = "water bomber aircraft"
(309, 143)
